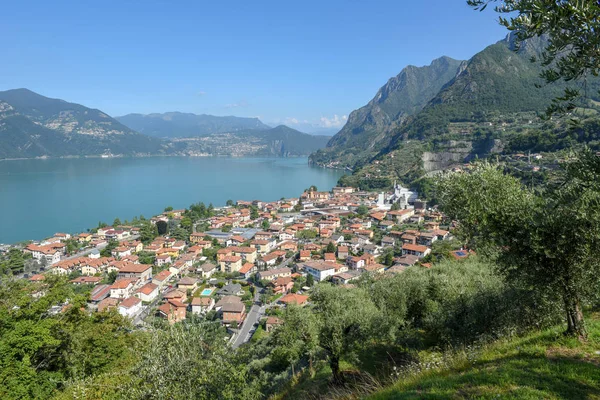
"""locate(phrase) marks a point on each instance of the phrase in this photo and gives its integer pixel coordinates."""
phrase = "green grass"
(544, 365)
(541, 365)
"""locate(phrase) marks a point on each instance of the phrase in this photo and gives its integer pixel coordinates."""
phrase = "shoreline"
(153, 155)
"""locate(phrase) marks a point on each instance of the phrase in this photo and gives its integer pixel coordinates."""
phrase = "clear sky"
(280, 60)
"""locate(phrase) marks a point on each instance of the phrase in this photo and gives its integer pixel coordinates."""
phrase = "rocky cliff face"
(368, 128)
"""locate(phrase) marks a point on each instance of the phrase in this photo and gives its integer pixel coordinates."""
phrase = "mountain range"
(176, 124)
(430, 118)
(32, 125)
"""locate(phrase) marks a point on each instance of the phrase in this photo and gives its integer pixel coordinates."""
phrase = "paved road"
(255, 314)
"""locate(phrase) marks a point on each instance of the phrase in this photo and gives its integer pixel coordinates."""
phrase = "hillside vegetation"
(544, 365)
(492, 106)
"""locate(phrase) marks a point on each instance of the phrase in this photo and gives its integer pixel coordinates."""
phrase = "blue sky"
(283, 61)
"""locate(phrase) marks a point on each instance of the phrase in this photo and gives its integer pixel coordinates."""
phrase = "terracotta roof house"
(107, 304)
(148, 292)
(173, 310)
(202, 305)
(130, 306)
(294, 298)
(271, 323)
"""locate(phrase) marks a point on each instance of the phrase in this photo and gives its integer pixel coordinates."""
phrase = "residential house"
(274, 273)
(407, 260)
(355, 262)
(388, 241)
(415, 250)
(271, 259)
(320, 270)
(175, 294)
(329, 257)
(121, 251)
(400, 215)
(342, 252)
(293, 298)
(86, 280)
(230, 264)
(130, 307)
(148, 292)
(343, 278)
(107, 304)
(272, 323)
(202, 305)
(375, 268)
(247, 270)
(234, 312)
(162, 278)
(207, 269)
(263, 246)
(232, 289)
(123, 288)
(173, 310)
(141, 271)
(282, 285)
(305, 255)
(187, 283)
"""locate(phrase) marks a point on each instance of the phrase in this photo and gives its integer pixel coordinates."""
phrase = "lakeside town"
(242, 263)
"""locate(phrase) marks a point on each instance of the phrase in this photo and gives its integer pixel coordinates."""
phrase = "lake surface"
(41, 197)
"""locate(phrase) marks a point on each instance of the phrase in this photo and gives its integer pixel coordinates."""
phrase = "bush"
(458, 302)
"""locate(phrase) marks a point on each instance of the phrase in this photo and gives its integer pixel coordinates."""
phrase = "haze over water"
(41, 197)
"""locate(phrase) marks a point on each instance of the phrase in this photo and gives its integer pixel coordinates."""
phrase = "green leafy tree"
(162, 227)
(306, 234)
(310, 281)
(168, 209)
(330, 248)
(550, 241)
(189, 361)
(362, 210)
(230, 203)
(254, 213)
(297, 337)
(148, 231)
(106, 251)
(265, 224)
(180, 234)
(116, 222)
(346, 319)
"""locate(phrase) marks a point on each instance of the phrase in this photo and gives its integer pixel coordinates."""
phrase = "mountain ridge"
(175, 124)
(32, 125)
(400, 97)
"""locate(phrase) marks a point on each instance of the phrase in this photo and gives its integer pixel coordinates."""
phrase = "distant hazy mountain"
(185, 125)
(307, 127)
(280, 141)
(285, 141)
(368, 127)
(32, 125)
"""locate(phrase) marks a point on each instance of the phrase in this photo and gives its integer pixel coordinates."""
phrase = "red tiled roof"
(294, 298)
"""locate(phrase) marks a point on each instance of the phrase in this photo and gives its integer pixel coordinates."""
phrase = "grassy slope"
(542, 365)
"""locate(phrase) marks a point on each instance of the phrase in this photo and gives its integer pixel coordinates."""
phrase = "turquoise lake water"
(41, 197)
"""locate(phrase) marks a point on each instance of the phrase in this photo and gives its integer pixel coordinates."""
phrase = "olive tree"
(346, 320)
(297, 337)
(548, 240)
